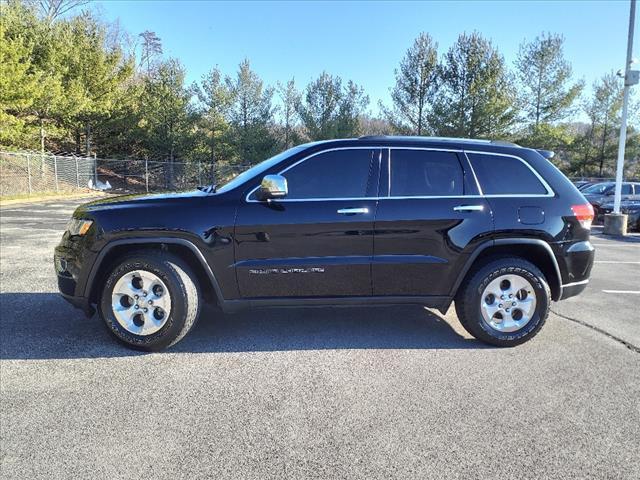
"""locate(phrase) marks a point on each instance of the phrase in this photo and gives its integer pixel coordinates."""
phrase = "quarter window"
(500, 175)
(333, 174)
(425, 173)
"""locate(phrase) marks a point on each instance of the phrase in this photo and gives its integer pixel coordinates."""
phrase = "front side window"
(626, 189)
(332, 174)
(499, 175)
(418, 173)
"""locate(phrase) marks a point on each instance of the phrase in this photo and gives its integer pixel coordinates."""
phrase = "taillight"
(584, 214)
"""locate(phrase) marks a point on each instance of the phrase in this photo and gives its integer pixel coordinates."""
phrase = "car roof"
(399, 140)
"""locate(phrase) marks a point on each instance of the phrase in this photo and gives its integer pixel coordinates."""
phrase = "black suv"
(374, 220)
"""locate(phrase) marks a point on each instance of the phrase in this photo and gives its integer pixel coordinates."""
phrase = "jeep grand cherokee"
(377, 220)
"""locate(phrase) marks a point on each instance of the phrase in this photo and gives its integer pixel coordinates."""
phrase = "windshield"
(259, 168)
(597, 188)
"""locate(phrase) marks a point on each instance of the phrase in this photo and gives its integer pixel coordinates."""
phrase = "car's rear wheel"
(505, 302)
(150, 300)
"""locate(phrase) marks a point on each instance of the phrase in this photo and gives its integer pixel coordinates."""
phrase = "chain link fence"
(29, 173)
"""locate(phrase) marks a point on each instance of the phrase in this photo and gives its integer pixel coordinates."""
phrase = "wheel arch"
(180, 247)
(533, 250)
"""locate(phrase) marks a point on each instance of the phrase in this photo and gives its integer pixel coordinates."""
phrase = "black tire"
(185, 299)
(468, 301)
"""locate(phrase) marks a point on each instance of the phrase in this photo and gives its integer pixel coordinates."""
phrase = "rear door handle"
(469, 208)
(353, 211)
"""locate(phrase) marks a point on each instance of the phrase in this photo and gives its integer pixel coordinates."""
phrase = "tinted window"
(425, 173)
(336, 174)
(626, 189)
(504, 175)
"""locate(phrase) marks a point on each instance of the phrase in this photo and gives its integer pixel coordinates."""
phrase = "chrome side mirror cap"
(273, 186)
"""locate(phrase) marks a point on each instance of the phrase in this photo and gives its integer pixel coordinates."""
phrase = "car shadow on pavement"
(44, 326)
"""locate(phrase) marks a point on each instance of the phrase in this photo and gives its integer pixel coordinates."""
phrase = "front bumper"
(68, 262)
(67, 287)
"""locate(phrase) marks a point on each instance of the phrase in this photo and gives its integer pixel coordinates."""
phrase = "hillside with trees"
(71, 82)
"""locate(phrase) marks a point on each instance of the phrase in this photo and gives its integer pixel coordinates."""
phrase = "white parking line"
(633, 292)
(600, 245)
(615, 261)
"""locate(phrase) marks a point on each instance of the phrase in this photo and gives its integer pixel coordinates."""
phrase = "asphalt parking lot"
(388, 392)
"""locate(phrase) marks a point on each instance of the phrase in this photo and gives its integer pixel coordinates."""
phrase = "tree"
(328, 110)
(416, 86)
(215, 101)
(477, 98)
(94, 74)
(289, 98)
(151, 48)
(32, 65)
(251, 114)
(19, 81)
(167, 118)
(352, 107)
(603, 110)
(544, 76)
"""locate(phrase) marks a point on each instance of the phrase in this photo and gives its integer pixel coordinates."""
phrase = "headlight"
(78, 226)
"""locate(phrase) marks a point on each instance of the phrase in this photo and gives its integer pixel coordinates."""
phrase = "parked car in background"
(580, 184)
(585, 185)
(603, 192)
(629, 207)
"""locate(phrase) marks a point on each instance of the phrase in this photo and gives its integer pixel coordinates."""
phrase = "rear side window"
(334, 174)
(500, 175)
(425, 173)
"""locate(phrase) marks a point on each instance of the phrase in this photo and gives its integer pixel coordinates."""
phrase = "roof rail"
(505, 143)
(371, 137)
(439, 139)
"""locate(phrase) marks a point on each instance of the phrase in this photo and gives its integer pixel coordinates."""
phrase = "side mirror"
(273, 186)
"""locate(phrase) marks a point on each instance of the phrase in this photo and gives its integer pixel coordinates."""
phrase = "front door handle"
(469, 208)
(353, 211)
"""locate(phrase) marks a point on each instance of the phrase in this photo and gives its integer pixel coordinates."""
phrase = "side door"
(430, 215)
(318, 240)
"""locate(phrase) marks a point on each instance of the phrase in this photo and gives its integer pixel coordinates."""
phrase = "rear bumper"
(572, 289)
(575, 260)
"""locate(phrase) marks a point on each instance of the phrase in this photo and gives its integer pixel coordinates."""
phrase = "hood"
(138, 200)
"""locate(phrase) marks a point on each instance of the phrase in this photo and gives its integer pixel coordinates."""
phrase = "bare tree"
(53, 9)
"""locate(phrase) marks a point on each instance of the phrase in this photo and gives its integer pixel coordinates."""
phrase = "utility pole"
(617, 222)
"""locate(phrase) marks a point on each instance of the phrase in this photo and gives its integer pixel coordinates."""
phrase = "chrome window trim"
(547, 187)
(550, 192)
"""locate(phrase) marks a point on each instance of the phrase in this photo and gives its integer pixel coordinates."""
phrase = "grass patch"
(34, 197)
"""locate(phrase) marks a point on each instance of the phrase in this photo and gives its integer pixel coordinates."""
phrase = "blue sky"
(364, 41)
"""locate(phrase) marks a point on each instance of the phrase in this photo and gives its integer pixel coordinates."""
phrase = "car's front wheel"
(150, 300)
(505, 302)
